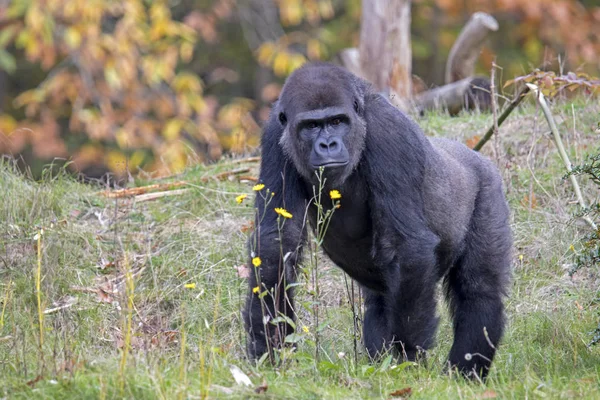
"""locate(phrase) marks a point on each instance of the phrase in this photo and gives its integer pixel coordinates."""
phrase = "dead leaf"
(526, 202)
(35, 380)
(104, 265)
(181, 272)
(488, 394)
(472, 141)
(243, 271)
(240, 377)
(75, 214)
(246, 227)
(103, 296)
(262, 388)
(402, 393)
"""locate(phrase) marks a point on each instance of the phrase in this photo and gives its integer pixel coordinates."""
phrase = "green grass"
(197, 238)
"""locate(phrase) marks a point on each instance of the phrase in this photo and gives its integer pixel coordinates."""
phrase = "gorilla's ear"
(357, 108)
(282, 118)
(360, 91)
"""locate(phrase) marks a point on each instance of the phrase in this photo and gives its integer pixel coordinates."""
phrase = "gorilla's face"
(322, 122)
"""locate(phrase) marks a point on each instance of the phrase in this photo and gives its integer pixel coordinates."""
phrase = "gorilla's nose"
(328, 147)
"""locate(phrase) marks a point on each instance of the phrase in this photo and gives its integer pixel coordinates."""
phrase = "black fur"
(413, 212)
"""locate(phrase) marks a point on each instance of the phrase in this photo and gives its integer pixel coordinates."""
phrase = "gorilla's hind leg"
(476, 286)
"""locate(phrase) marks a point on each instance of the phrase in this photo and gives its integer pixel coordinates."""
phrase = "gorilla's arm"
(404, 246)
(278, 251)
(395, 165)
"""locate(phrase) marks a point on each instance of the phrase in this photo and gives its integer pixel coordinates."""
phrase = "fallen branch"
(225, 175)
(247, 178)
(158, 195)
(561, 150)
(466, 93)
(70, 302)
(137, 191)
(513, 104)
(246, 160)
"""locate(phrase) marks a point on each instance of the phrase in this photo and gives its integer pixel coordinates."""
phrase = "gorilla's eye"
(282, 118)
(336, 121)
(311, 125)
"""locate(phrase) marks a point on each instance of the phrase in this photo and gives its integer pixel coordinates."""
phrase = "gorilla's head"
(321, 112)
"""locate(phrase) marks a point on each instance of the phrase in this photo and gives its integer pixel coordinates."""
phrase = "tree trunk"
(385, 48)
(466, 49)
(350, 59)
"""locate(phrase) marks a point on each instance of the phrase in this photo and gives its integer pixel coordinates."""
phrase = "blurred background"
(134, 86)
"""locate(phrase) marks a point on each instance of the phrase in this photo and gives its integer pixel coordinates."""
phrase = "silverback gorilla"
(414, 211)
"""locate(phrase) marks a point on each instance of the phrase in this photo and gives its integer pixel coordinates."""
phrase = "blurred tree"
(113, 75)
(385, 50)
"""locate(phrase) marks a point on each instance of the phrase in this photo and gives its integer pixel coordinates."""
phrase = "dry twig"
(513, 104)
(561, 149)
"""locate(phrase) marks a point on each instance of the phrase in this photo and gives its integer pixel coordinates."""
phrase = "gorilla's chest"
(348, 223)
(347, 237)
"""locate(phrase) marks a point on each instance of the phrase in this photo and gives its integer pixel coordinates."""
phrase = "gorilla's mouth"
(330, 164)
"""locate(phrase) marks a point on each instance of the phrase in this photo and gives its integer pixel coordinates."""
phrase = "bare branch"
(513, 104)
(561, 149)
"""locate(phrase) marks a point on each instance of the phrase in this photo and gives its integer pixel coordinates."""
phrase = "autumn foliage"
(115, 76)
(150, 85)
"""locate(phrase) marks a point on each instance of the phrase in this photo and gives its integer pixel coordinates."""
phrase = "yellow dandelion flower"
(572, 248)
(190, 285)
(520, 257)
(255, 289)
(335, 195)
(283, 212)
(305, 329)
(256, 261)
(241, 198)
(259, 187)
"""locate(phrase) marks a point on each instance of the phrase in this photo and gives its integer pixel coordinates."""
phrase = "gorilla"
(413, 211)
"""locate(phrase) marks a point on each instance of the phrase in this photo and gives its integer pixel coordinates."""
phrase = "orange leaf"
(403, 393)
(488, 394)
(262, 388)
(472, 141)
(527, 202)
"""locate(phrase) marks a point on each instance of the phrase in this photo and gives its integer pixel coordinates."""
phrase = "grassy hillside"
(84, 277)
